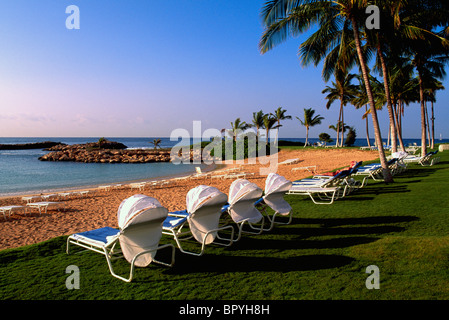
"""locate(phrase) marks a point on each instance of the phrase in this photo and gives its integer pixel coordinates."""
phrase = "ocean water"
(22, 172)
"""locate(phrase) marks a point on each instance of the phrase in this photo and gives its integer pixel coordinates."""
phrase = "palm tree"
(426, 64)
(310, 120)
(361, 100)
(279, 114)
(237, 127)
(342, 90)
(401, 83)
(288, 17)
(100, 142)
(258, 122)
(340, 127)
(423, 38)
(269, 123)
(156, 143)
(432, 85)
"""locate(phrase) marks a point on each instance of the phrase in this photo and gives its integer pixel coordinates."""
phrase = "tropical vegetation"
(310, 120)
(343, 38)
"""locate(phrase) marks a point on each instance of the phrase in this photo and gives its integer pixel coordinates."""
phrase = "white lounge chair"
(138, 185)
(324, 190)
(290, 161)
(243, 195)
(44, 206)
(202, 218)
(326, 195)
(375, 170)
(340, 179)
(426, 160)
(140, 220)
(276, 186)
(199, 173)
(11, 209)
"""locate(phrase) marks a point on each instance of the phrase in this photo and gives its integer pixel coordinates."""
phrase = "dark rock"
(35, 145)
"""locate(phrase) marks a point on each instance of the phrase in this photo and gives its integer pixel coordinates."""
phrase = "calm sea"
(22, 172)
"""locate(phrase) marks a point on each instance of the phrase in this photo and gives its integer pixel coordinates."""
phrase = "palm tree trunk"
(367, 131)
(389, 134)
(342, 123)
(423, 116)
(337, 142)
(428, 126)
(394, 144)
(398, 126)
(383, 161)
(267, 142)
(307, 136)
(433, 127)
(277, 132)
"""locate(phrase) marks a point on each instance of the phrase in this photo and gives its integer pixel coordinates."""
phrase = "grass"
(402, 228)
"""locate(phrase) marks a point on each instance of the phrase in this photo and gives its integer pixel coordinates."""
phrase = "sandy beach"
(99, 208)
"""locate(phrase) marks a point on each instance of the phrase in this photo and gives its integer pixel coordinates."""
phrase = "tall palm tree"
(423, 37)
(289, 17)
(279, 114)
(343, 90)
(269, 123)
(425, 64)
(432, 85)
(361, 100)
(310, 120)
(401, 83)
(237, 127)
(258, 122)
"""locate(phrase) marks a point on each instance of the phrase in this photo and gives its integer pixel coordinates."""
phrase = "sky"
(146, 68)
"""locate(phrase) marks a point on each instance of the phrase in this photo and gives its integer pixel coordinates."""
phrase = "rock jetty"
(107, 152)
(35, 145)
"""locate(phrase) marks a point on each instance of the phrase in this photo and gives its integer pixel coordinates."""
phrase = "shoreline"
(99, 209)
(93, 186)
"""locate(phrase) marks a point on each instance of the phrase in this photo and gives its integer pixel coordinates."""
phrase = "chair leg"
(228, 242)
(132, 267)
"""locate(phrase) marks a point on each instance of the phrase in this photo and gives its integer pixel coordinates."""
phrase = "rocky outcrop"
(110, 152)
(105, 144)
(35, 145)
(107, 156)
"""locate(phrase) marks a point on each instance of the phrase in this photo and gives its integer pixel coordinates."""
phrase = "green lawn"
(402, 228)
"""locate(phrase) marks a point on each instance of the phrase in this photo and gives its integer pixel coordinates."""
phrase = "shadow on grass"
(384, 189)
(300, 243)
(342, 231)
(330, 222)
(225, 263)
(418, 172)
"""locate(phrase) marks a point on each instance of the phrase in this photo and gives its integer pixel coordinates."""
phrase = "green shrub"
(241, 149)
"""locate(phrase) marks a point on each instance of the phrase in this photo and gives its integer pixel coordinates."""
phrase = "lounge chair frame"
(179, 235)
(320, 195)
(286, 219)
(111, 252)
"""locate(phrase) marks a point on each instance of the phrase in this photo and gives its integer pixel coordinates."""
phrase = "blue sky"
(145, 68)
